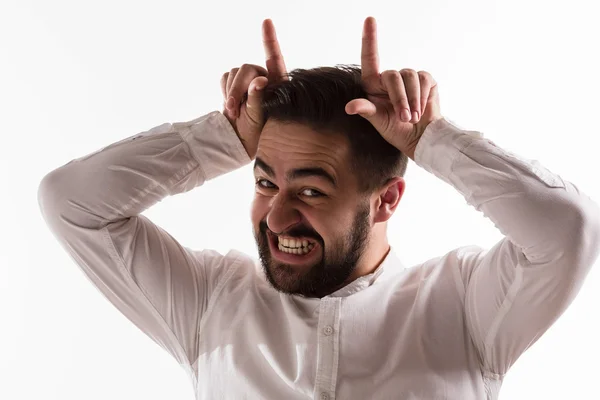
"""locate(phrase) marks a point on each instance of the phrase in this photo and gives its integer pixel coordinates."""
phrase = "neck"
(374, 255)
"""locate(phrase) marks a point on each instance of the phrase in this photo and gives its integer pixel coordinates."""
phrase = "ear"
(387, 199)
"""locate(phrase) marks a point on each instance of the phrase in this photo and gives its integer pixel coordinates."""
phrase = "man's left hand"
(399, 104)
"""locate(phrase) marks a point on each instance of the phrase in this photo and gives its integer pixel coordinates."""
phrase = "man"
(327, 312)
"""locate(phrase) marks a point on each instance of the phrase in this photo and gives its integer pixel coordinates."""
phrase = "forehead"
(286, 145)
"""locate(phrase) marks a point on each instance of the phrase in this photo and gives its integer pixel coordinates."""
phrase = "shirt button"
(328, 330)
(324, 396)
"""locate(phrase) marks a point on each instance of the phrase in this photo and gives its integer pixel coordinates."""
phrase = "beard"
(327, 275)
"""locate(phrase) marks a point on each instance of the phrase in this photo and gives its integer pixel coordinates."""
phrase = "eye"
(318, 194)
(258, 183)
(265, 184)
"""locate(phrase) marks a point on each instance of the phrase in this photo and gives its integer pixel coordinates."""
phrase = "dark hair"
(317, 98)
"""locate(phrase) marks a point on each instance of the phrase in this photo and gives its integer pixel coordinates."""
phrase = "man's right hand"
(249, 80)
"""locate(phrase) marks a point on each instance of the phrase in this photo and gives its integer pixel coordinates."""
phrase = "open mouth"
(291, 252)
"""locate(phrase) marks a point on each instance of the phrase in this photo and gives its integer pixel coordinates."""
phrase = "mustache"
(295, 232)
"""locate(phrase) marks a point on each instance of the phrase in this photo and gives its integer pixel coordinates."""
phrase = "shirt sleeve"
(514, 291)
(92, 206)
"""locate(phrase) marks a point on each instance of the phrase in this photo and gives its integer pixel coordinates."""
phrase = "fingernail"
(415, 115)
(230, 102)
(405, 115)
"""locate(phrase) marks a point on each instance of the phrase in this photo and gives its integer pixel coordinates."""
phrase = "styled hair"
(317, 98)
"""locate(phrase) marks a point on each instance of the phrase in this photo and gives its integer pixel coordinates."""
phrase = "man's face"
(331, 218)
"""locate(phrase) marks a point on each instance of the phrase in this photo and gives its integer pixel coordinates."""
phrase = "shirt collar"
(308, 305)
(389, 263)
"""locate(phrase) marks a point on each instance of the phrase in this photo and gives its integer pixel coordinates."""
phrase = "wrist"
(419, 131)
(413, 140)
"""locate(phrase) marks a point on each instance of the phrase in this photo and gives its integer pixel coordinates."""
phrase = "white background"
(79, 75)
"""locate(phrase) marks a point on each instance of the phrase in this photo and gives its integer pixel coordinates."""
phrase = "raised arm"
(92, 205)
(514, 291)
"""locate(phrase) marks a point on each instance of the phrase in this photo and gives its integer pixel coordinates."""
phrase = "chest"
(404, 341)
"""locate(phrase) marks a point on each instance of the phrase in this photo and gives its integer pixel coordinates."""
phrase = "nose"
(282, 215)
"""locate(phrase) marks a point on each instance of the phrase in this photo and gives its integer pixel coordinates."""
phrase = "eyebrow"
(298, 172)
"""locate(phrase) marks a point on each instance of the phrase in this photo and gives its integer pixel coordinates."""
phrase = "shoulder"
(232, 268)
(451, 268)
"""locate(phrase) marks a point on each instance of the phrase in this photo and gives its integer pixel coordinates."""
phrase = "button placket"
(328, 351)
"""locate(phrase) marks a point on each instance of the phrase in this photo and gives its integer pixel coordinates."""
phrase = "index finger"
(275, 64)
(369, 56)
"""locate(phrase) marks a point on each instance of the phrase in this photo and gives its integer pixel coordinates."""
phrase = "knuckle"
(234, 70)
(262, 71)
(408, 72)
(391, 75)
(425, 77)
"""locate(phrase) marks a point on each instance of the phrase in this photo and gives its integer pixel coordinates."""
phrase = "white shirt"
(448, 328)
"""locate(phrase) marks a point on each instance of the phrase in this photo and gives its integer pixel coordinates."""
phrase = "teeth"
(297, 251)
(294, 243)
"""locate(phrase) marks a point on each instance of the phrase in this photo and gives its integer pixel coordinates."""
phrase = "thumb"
(365, 109)
(255, 95)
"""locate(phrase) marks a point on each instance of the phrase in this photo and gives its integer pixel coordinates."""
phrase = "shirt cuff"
(440, 145)
(215, 145)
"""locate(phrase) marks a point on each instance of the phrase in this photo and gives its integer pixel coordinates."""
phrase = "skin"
(350, 229)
